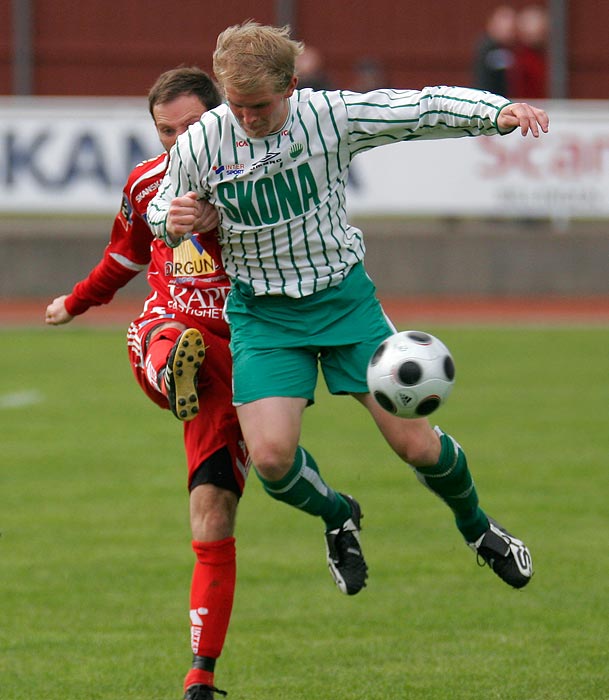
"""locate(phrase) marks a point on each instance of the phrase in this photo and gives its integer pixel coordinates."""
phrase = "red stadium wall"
(97, 47)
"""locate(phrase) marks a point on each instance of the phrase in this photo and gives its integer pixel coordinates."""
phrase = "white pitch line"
(18, 399)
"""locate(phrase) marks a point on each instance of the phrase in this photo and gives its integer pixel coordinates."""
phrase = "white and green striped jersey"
(281, 198)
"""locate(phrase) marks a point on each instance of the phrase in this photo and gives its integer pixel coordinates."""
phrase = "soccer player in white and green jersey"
(274, 161)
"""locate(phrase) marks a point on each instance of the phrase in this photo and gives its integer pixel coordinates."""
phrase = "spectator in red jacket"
(529, 78)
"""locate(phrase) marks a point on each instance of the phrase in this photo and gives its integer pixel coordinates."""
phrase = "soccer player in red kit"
(179, 352)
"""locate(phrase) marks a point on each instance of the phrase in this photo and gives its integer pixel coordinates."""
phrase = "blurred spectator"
(529, 78)
(494, 55)
(310, 70)
(369, 75)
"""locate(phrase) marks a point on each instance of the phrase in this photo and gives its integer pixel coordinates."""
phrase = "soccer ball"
(411, 374)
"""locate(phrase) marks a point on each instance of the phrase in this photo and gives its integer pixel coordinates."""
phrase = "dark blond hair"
(251, 56)
(184, 81)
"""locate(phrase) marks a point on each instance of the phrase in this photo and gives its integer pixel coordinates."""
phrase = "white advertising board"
(70, 156)
(562, 174)
(65, 155)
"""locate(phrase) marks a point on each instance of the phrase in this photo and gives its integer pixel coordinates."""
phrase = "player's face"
(262, 112)
(173, 118)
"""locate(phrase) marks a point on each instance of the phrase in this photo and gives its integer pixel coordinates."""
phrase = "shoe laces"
(487, 554)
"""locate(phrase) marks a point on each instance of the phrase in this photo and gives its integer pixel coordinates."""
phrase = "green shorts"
(278, 343)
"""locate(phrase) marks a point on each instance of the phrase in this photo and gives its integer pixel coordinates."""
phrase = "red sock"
(157, 353)
(211, 602)
(197, 677)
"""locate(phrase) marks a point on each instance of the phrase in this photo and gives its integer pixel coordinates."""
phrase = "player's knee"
(271, 471)
(214, 494)
(272, 460)
(219, 521)
(212, 513)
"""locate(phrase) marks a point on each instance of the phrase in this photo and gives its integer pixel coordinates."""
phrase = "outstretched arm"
(127, 253)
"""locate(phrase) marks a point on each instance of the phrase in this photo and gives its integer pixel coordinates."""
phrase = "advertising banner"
(70, 155)
(66, 155)
(562, 174)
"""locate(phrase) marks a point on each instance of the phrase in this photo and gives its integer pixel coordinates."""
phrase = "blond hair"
(251, 56)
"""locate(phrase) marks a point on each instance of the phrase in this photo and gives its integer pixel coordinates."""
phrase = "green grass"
(95, 556)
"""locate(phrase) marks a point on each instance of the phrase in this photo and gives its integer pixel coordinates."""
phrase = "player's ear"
(291, 86)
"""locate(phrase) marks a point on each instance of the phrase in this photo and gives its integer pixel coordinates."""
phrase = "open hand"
(528, 118)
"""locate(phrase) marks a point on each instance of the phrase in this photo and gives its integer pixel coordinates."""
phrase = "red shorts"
(215, 426)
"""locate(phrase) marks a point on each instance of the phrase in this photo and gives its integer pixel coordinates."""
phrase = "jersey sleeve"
(386, 116)
(183, 175)
(125, 256)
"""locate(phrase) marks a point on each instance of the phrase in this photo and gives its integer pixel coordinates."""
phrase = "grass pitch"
(95, 559)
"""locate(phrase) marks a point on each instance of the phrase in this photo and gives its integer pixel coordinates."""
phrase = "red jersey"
(188, 280)
(529, 75)
(187, 284)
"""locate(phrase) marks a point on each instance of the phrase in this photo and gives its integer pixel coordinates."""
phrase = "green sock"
(452, 481)
(303, 488)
